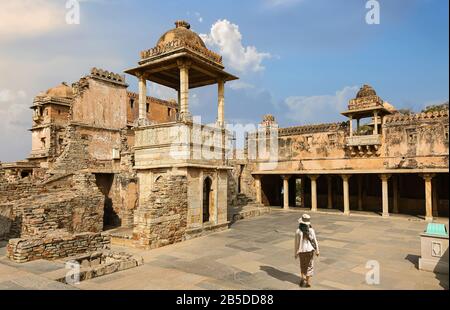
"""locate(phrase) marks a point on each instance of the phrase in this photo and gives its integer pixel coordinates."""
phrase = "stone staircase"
(246, 207)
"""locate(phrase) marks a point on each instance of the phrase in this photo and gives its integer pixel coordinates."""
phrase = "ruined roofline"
(399, 117)
(108, 76)
(172, 104)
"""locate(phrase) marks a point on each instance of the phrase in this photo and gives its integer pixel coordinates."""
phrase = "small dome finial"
(182, 23)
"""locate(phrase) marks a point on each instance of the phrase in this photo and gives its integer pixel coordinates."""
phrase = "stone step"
(248, 211)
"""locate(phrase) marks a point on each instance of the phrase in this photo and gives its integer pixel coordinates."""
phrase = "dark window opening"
(147, 107)
(207, 199)
(132, 104)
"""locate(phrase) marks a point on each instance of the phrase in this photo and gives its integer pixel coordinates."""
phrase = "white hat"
(305, 219)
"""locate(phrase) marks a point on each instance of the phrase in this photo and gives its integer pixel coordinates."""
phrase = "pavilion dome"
(181, 32)
(366, 91)
(60, 91)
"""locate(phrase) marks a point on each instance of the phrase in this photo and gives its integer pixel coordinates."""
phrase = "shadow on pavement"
(281, 275)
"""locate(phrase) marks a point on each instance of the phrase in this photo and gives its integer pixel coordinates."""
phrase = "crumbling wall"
(417, 140)
(162, 219)
(57, 245)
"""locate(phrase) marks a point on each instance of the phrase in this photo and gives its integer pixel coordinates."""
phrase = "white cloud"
(29, 18)
(282, 3)
(321, 108)
(227, 38)
(16, 119)
(238, 85)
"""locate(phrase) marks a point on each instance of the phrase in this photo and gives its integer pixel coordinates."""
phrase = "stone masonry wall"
(55, 246)
(162, 219)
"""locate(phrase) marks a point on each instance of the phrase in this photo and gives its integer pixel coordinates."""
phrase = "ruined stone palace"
(109, 165)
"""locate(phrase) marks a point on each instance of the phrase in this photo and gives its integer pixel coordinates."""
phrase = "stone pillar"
(179, 104)
(351, 126)
(360, 194)
(385, 193)
(345, 191)
(313, 192)
(428, 177)
(330, 192)
(375, 122)
(142, 99)
(258, 188)
(395, 194)
(221, 103)
(185, 115)
(286, 191)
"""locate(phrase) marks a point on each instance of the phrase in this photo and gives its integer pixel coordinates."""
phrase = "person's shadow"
(281, 275)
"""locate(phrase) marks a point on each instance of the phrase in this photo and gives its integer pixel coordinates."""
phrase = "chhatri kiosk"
(185, 148)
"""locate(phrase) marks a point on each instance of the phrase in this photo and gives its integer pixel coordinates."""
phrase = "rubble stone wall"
(162, 219)
(55, 246)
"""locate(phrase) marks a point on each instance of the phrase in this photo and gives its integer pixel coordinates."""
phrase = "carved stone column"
(142, 99)
(221, 103)
(313, 179)
(428, 177)
(375, 122)
(286, 191)
(345, 191)
(184, 66)
(385, 193)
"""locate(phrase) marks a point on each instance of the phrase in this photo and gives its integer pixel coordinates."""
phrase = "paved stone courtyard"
(258, 254)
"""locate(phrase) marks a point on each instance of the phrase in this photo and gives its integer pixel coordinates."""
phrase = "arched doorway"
(207, 199)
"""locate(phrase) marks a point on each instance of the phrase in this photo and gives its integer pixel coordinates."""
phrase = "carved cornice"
(300, 130)
(179, 44)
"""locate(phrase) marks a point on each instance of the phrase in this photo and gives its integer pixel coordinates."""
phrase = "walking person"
(306, 246)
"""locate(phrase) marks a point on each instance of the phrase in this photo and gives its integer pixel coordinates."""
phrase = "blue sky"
(300, 60)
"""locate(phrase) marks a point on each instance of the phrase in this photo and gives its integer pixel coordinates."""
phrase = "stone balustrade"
(364, 140)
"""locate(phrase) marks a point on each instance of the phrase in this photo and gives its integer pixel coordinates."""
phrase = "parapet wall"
(55, 246)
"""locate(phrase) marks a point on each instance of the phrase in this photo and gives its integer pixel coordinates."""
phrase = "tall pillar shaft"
(221, 103)
(375, 122)
(142, 98)
(286, 192)
(351, 126)
(314, 192)
(330, 192)
(184, 90)
(385, 193)
(346, 194)
(428, 196)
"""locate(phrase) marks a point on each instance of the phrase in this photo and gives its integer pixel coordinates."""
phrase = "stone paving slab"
(258, 254)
